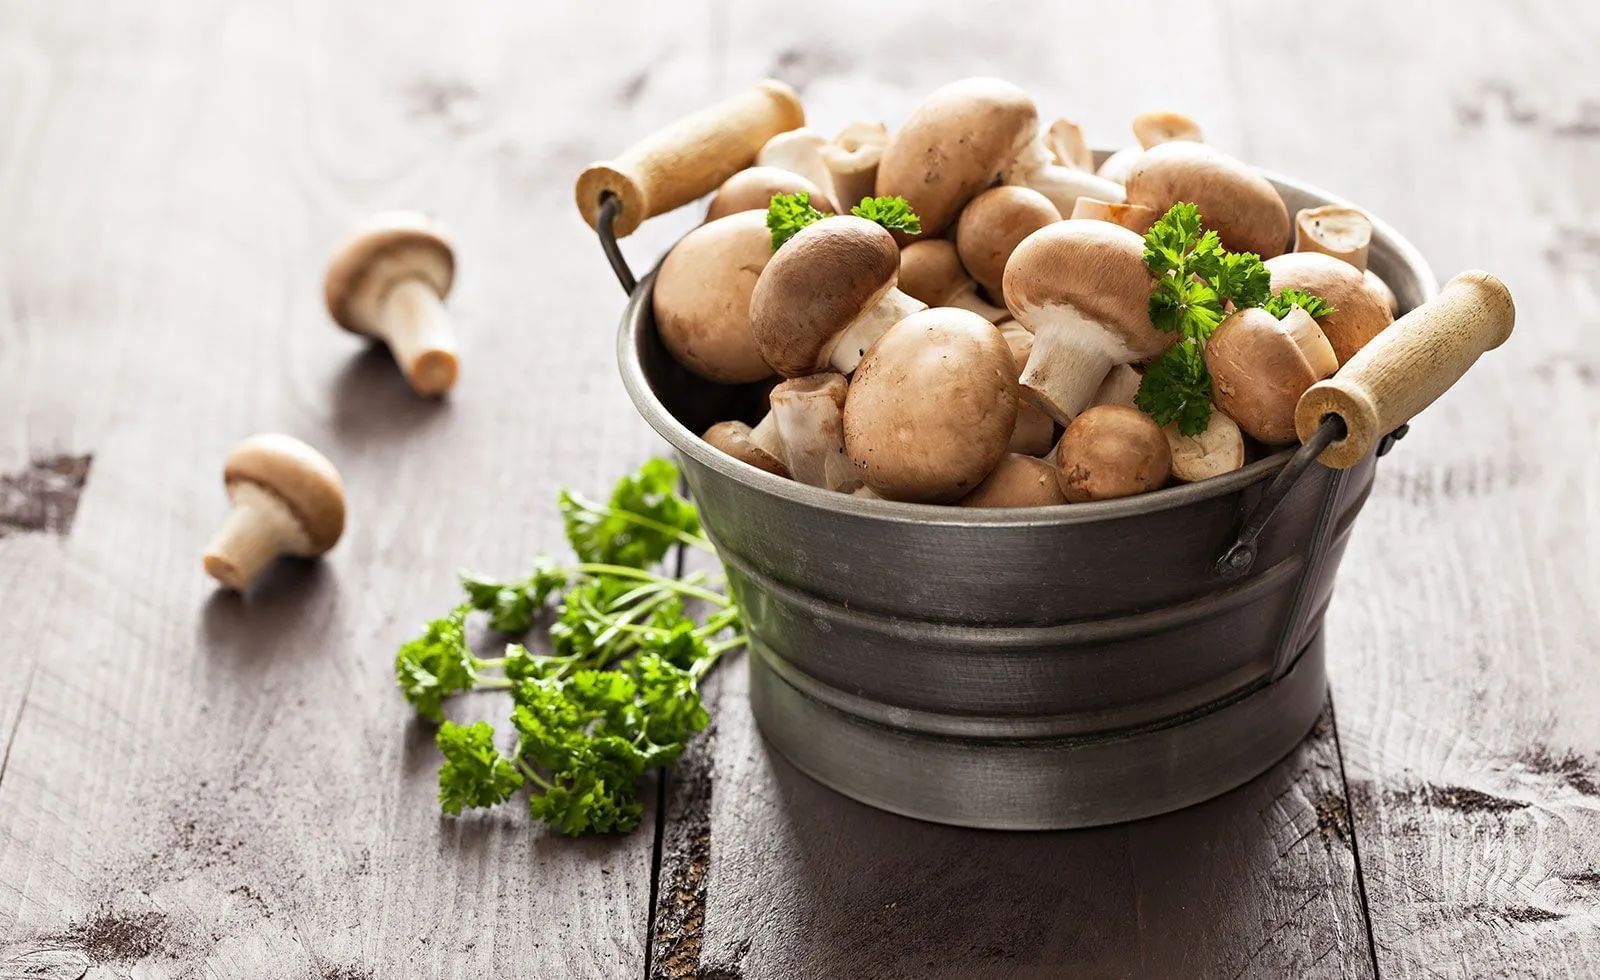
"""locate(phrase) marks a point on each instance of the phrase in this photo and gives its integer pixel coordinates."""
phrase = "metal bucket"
(1032, 668)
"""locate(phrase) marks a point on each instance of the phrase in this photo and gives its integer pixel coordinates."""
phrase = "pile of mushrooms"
(992, 360)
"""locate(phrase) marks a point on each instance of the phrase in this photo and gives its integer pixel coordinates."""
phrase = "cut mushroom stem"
(799, 151)
(1155, 128)
(1035, 167)
(1217, 450)
(734, 438)
(865, 329)
(1072, 354)
(1034, 432)
(287, 500)
(388, 282)
(765, 436)
(1120, 386)
(852, 161)
(1135, 217)
(1342, 232)
(810, 420)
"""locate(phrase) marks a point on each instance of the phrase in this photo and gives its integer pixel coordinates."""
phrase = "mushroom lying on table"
(931, 272)
(932, 407)
(1083, 289)
(1261, 365)
(1359, 311)
(826, 295)
(1233, 198)
(753, 189)
(1111, 451)
(702, 298)
(287, 500)
(991, 227)
(1017, 481)
(388, 282)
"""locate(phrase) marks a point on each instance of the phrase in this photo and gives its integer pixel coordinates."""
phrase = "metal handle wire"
(605, 227)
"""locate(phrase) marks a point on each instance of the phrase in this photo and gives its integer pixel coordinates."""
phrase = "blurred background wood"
(198, 785)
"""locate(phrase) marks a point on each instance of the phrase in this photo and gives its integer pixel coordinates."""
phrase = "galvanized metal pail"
(1026, 668)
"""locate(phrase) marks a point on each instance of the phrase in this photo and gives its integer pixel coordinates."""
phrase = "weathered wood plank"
(201, 785)
(1463, 636)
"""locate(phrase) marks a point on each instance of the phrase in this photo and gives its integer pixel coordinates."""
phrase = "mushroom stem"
(799, 151)
(1071, 355)
(765, 436)
(416, 326)
(1313, 343)
(1120, 386)
(852, 162)
(1344, 233)
(256, 532)
(969, 300)
(810, 422)
(864, 330)
(1035, 167)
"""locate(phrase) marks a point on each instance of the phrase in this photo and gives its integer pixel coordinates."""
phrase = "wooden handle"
(1412, 362)
(689, 158)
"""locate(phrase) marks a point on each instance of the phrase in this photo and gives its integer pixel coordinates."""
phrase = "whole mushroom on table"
(964, 307)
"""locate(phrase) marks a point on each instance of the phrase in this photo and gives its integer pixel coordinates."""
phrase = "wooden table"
(198, 785)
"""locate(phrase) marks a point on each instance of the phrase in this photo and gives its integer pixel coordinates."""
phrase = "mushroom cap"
(1119, 165)
(389, 247)
(931, 407)
(1380, 287)
(954, 145)
(1111, 451)
(753, 188)
(1360, 312)
(1135, 217)
(1217, 450)
(702, 298)
(1094, 267)
(993, 224)
(1017, 481)
(733, 438)
(1164, 126)
(1240, 204)
(815, 285)
(299, 476)
(1259, 371)
(931, 271)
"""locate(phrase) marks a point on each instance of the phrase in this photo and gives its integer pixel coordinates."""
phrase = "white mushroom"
(287, 500)
(1217, 450)
(809, 414)
(799, 151)
(852, 162)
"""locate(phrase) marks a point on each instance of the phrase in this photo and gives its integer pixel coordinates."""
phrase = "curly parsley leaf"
(1280, 305)
(1177, 388)
(1242, 279)
(644, 519)
(513, 606)
(788, 215)
(437, 664)
(474, 773)
(893, 213)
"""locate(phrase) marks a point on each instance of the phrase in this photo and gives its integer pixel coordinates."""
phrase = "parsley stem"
(714, 653)
(623, 571)
(492, 684)
(677, 534)
(533, 777)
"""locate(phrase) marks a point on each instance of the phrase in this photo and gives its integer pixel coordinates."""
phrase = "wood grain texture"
(201, 785)
(1462, 638)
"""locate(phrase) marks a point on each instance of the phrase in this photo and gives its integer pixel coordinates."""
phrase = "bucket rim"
(689, 444)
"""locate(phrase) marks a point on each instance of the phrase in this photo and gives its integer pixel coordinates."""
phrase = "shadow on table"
(1259, 880)
(373, 402)
(278, 617)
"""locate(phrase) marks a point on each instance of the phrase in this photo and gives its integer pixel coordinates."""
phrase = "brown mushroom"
(809, 415)
(287, 500)
(1083, 289)
(1017, 481)
(1333, 229)
(1120, 386)
(1035, 432)
(1380, 287)
(1359, 312)
(753, 189)
(931, 272)
(932, 407)
(702, 298)
(734, 439)
(826, 295)
(799, 151)
(1119, 165)
(1111, 451)
(852, 161)
(1218, 449)
(993, 224)
(1236, 201)
(954, 145)
(388, 282)
(1134, 217)
(1260, 366)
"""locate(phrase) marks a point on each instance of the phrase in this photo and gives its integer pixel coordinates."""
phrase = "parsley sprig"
(1197, 282)
(789, 214)
(618, 691)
